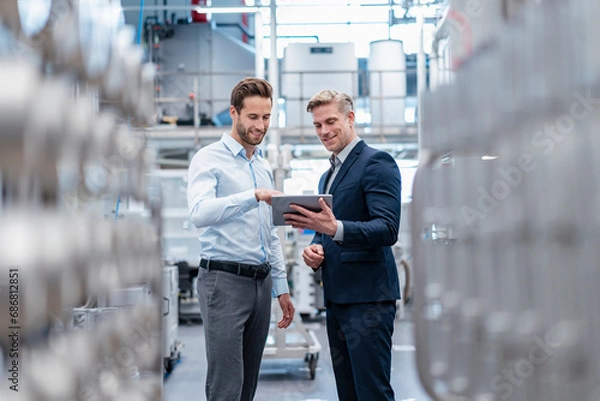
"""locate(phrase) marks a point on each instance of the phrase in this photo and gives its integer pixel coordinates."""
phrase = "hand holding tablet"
(281, 205)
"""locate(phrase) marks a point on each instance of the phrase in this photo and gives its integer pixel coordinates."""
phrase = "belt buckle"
(255, 274)
(262, 271)
(207, 264)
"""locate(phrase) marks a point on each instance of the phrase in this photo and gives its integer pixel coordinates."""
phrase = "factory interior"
(487, 106)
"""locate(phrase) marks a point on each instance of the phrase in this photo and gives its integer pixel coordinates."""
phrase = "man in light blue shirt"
(229, 193)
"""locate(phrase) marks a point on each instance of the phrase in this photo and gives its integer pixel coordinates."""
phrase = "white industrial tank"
(387, 83)
(310, 67)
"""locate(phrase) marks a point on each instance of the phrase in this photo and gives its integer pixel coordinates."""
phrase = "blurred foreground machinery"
(506, 215)
(81, 295)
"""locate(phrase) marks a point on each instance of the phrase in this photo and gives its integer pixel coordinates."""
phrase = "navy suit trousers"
(360, 343)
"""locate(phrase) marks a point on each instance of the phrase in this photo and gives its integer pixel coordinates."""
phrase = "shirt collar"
(346, 151)
(236, 148)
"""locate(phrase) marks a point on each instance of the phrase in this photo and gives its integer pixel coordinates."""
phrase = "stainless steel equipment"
(504, 217)
(68, 173)
(171, 344)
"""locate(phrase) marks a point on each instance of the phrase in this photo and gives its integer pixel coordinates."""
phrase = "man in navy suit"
(352, 246)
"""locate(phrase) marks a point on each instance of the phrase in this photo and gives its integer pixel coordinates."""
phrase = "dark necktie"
(331, 170)
(332, 163)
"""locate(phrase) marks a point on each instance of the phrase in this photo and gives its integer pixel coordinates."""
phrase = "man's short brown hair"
(250, 87)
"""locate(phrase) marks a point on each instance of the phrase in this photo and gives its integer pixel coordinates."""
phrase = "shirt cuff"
(247, 200)
(339, 234)
(280, 286)
(249, 197)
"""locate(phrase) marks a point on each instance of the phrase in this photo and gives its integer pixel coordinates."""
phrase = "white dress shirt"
(339, 159)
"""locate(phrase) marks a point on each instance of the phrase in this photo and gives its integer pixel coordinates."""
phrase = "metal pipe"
(259, 60)
(421, 71)
(237, 25)
(196, 119)
(140, 23)
(441, 33)
(198, 9)
(274, 137)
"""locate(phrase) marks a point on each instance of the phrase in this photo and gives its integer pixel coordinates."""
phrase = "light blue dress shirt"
(234, 226)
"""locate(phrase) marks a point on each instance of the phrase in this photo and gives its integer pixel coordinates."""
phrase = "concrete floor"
(289, 379)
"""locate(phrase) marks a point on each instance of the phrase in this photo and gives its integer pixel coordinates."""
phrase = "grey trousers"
(236, 314)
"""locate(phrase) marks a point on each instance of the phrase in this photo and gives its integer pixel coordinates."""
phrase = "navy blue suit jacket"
(366, 198)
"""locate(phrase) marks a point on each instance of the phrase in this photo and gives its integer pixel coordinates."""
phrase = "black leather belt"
(257, 272)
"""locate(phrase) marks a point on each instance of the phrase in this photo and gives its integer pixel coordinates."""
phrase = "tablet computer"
(281, 205)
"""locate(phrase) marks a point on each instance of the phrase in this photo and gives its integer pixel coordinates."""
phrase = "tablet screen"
(281, 205)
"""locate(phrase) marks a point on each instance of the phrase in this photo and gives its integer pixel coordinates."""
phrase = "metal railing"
(370, 90)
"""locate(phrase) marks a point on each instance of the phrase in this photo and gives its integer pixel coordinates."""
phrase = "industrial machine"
(70, 72)
(505, 210)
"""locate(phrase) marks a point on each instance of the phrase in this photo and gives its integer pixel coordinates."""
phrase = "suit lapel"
(352, 157)
(322, 182)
